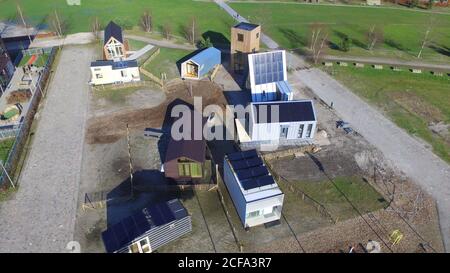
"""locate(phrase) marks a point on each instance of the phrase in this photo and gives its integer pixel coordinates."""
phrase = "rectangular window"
(300, 131)
(257, 35)
(99, 76)
(196, 170)
(308, 131)
(190, 170)
(240, 37)
(253, 214)
(123, 73)
(284, 131)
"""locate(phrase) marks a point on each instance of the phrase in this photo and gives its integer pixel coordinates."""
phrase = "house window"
(99, 76)
(123, 73)
(187, 169)
(253, 214)
(240, 37)
(300, 131)
(96, 69)
(284, 131)
(134, 248)
(257, 35)
(145, 245)
(308, 131)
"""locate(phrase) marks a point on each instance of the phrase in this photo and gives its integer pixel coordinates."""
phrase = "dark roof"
(250, 169)
(289, 111)
(246, 26)
(116, 65)
(4, 60)
(131, 228)
(190, 148)
(113, 30)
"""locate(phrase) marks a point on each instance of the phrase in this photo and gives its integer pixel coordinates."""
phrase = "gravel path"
(41, 216)
(405, 152)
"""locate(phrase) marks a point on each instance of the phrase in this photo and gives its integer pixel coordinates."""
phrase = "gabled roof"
(205, 55)
(113, 30)
(189, 148)
(133, 227)
(288, 111)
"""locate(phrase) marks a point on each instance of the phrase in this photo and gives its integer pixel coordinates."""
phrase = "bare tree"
(318, 41)
(95, 27)
(375, 36)
(57, 24)
(190, 31)
(147, 21)
(167, 31)
(426, 39)
(316, 29)
(23, 21)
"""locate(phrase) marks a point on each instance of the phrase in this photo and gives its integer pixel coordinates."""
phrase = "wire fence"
(11, 163)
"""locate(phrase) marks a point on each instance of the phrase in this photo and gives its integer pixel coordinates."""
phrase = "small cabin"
(256, 196)
(268, 76)
(109, 72)
(245, 39)
(201, 64)
(114, 45)
(148, 229)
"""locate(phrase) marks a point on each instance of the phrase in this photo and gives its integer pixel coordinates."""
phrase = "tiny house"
(108, 72)
(114, 45)
(245, 39)
(148, 229)
(268, 76)
(201, 64)
(256, 196)
(282, 121)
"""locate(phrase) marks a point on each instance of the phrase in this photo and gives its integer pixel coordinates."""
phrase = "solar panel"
(242, 155)
(268, 67)
(249, 184)
(245, 164)
(251, 172)
(265, 180)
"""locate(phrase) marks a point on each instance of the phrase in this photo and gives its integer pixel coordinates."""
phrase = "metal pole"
(9, 178)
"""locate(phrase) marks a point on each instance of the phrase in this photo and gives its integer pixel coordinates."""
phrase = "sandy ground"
(41, 215)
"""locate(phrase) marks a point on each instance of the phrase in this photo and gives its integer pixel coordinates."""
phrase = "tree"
(167, 30)
(190, 31)
(374, 37)
(147, 21)
(23, 21)
(319, 39)
(346, 43)
(57, 24)
(95, 27)
(204, 43)
(426, 39)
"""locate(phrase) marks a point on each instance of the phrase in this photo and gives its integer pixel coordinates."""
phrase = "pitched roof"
(205, 55)
(113, 30)
(190, 148)
(288, 111)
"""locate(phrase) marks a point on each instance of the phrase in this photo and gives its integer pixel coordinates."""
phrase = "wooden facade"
(245, 39)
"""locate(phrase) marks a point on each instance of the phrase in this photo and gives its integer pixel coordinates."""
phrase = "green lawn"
(124, 12)
(362, 195)
(5, 148)
(412, 101)
(166, 62)
(135, 44)
(404, 29)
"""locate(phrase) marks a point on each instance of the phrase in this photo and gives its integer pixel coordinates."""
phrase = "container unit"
(148, 229)
(108, 72)
(255, 194)
(201, 64)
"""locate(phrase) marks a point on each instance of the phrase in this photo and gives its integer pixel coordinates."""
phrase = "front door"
(284, 131)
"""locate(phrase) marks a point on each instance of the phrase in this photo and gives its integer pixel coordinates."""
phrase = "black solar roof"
(131, 228)
(246, 26)
(250, 169)
(291, 111)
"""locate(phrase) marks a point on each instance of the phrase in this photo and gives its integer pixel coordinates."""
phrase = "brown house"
(245, 39)
(114, 45)
(187, 160)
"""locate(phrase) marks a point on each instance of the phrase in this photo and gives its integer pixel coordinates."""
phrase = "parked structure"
(186, 159)
(280, 122)
(245, 39)
(107, 72)
(148, 229)
(201, 64)
(6, 67)
(114, 45)
(268, 76)
(255, 194)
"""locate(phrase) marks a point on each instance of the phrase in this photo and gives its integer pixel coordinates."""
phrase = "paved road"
(406, 153)
(41, 217)
(386, 61)
(137, 54)
(403, 151)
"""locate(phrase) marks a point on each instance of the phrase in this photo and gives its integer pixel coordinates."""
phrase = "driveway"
(41, 215)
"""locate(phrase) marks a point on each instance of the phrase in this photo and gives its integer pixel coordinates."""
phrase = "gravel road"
(404, 151)
(41, 216)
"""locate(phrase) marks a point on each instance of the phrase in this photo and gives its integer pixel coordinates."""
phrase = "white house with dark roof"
(280, 122)
(108, 72)
(268, 76)
(256, 196)
(115, 46)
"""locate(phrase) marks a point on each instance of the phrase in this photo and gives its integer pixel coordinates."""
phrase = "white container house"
(107, 72)
(256, 196)
(268, 76)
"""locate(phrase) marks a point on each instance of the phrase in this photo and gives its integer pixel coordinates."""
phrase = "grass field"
(414, 102)
(126, 13)
(135, 44)
(362, 195)
(5, 148)
(404, 29)
(166, 62)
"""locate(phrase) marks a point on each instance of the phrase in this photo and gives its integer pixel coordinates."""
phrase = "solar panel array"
(250, 169)
(133, 227)
(268, 67)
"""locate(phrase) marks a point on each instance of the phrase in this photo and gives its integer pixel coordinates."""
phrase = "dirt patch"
(413, 103)
(110, 128)
(441, 129)
(18, 97)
